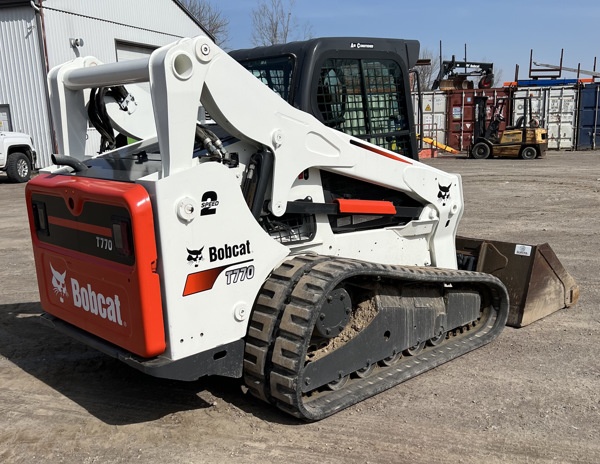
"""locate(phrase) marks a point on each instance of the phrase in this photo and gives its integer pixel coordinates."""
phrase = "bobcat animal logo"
(194, 256)
(444, 194)
(58, 282)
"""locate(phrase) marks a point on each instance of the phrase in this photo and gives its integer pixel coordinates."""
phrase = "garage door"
(127, 51)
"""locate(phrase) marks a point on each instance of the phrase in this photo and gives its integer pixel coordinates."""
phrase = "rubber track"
(285, 313)
(266, 315)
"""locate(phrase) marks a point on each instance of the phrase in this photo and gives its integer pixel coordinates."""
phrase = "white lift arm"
(190, 71)
(180, 76)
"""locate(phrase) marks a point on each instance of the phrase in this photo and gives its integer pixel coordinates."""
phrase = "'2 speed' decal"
(209, 203)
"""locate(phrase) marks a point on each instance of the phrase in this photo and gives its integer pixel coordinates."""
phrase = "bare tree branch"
(273, 22)
(498, 81)
(428, 74)
(211, 18)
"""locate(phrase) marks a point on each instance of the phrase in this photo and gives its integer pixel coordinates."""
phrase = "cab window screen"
(365, 98)
(276, 73)
(340, 98)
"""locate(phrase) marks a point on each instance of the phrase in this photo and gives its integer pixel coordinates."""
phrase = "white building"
(37, 35)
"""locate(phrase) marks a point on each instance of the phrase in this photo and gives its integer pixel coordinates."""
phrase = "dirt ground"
(531, 396)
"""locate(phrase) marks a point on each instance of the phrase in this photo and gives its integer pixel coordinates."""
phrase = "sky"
(502, 32)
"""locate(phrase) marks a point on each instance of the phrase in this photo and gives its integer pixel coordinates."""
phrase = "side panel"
(96, 259)
(213, 257)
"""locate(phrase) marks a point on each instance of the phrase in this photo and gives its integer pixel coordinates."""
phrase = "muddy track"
(279, 372)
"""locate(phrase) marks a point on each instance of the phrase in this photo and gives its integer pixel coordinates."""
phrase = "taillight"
(121, 232)
(40, 217)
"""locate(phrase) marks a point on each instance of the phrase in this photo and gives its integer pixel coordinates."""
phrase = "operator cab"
(358, 86)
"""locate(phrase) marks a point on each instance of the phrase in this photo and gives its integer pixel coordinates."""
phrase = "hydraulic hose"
(62, 160)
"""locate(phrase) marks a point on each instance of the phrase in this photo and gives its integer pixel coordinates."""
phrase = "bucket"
(536, 281)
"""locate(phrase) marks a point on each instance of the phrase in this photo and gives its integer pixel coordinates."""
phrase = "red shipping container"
(461, 114)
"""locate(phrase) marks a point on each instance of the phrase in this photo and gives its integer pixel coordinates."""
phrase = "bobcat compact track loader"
(318, 266)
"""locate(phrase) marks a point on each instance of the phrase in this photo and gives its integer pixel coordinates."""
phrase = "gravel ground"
(531, 396)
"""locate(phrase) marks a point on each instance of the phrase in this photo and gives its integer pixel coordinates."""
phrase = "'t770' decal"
(239, 274)
(204, 280)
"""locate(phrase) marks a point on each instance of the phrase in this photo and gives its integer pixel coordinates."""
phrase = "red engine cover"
(95, 256)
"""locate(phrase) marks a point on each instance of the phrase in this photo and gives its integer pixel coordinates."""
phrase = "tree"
(273, 23)
(498, 81)
(211, 18)
(428, 74)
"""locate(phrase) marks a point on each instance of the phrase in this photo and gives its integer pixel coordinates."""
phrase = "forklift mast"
(491, 131)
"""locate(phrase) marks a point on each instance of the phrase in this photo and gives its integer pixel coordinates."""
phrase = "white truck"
(17, 155)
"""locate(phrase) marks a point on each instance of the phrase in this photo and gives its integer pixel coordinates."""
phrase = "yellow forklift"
(526, 139)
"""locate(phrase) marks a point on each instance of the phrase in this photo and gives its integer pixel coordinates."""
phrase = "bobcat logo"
(58, 282)
(194, 256)
(444, 194)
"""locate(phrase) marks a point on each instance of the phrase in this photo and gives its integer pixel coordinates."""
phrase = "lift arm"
(193, 71)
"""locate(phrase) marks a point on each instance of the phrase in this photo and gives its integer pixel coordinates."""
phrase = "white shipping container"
(556, 109)
(434, 115)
